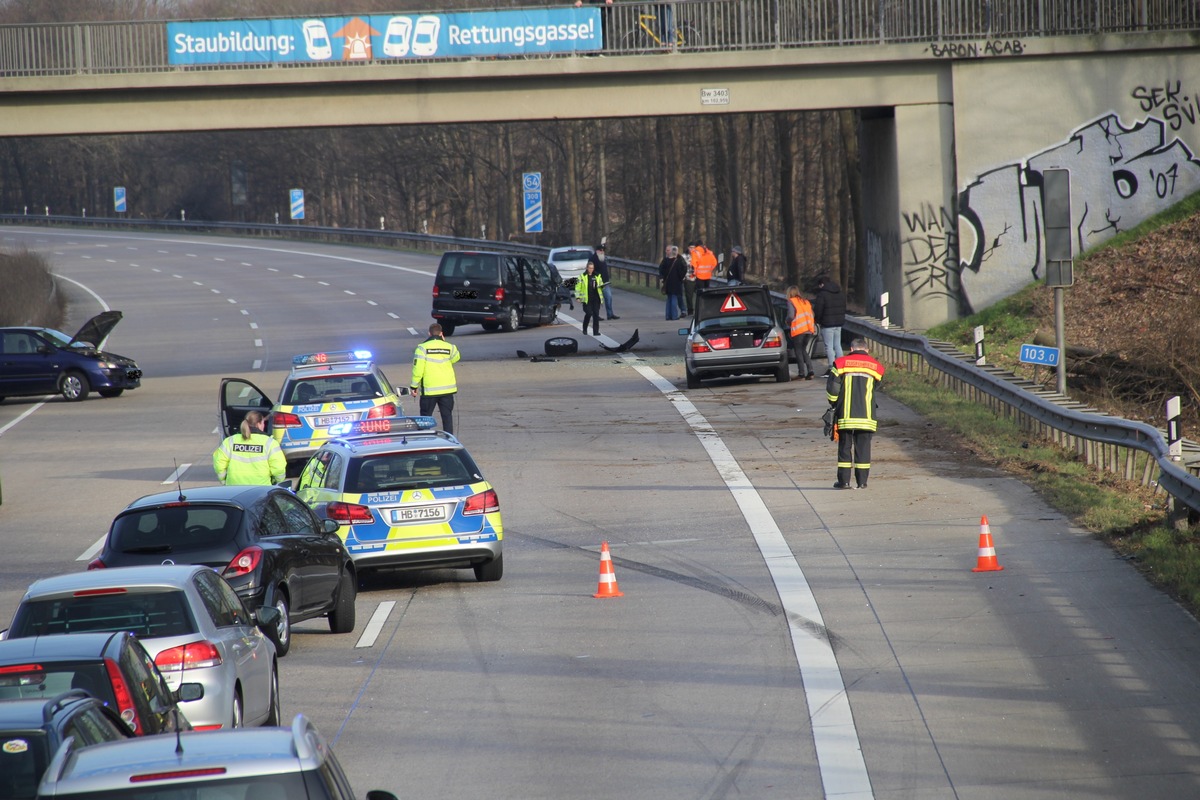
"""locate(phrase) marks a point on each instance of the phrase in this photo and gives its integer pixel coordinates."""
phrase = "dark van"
(495, 290)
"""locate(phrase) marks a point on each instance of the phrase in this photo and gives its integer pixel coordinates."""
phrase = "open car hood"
(97, 329)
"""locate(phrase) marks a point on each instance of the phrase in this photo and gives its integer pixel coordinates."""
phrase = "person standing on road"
(704, 264)
(672, 270)
(829, 311)
(433, 378)
(599, 259)
(689, 290)
(801, 331)
(850, 390)
(250, 457)
(737, 266)
(589, 291)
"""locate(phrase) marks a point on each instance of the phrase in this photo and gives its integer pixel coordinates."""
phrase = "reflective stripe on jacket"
(258, 461)
(703, 262)
(802, 317)
(433, 367)
(581, 287)
(850, 389)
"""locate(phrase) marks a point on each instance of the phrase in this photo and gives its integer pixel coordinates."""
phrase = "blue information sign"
(119, 199)
(297, 196)
(1036, 354)
(532, 184)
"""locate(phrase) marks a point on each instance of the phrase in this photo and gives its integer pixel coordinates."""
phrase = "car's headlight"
(109, 365)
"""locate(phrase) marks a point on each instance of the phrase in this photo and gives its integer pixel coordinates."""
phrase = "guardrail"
(637, 28)
(1104, 441)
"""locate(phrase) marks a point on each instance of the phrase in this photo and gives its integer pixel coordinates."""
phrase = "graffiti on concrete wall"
(929, 251)
(1120, 175)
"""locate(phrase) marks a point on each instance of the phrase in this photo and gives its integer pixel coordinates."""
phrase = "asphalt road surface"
(775, 638)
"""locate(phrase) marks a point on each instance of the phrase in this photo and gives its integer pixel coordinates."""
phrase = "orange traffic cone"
(987, 552)
(608, 578)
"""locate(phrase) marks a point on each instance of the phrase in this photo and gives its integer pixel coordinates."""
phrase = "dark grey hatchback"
(271, 548)
(495, 290)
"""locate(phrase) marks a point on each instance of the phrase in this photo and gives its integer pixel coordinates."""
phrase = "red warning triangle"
(733, 303)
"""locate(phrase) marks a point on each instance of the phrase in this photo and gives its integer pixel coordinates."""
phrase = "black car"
(495, 290)
(31, 731)
(112, 667)
(270, 547)
(37, 361)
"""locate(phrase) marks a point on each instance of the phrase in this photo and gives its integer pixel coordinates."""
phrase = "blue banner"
(381, 38)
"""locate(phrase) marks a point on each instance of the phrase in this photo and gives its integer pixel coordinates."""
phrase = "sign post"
(531, 183)
(1056, 208)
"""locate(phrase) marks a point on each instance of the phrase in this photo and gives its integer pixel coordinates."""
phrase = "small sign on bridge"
(1036, 354)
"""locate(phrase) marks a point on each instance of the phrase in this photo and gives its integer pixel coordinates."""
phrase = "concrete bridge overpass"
(959, 122)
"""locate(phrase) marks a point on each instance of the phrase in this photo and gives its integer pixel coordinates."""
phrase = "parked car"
(570, 261)
(189, 619)
(113, 667)
(32, 730)
(734, 332)
(495, 290)
(271, 548)
(262, 764)
(36, 361)
(326, 388)
(407, 497)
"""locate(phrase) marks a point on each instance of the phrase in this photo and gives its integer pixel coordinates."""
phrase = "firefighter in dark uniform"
(250, 457)
(850, 389)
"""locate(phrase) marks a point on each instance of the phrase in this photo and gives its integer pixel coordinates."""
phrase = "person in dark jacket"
(829, 311)
(737, 266)
(598, 259)
(672, 270)
(850, 390)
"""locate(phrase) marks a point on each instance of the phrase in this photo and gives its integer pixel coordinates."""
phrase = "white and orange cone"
(608, 579)
(987, 551)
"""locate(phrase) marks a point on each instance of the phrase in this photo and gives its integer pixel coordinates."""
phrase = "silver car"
(734, 331)
(191, 622)
(570, 261)
(263, 764)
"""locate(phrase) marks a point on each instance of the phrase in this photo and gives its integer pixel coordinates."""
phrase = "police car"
(322, 390)
(406, 496)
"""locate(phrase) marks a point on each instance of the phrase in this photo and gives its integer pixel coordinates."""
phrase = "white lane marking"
(347, 291)
(95, 296)
(395, 316)
(24, 414)
(257, 364)
(197, 283)
(412, 331)
(294, 275)
(230, 299)
(372, 303)
(215, 291)
(322, 283)
(258, 343)
(245, 313)
(839, 751)
(88, 554)
(253, 326)
(371, 632)
(177, 474)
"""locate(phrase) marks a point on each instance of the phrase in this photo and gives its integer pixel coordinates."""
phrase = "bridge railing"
(679, 25)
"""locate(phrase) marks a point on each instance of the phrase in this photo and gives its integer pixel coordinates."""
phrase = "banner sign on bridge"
(373, 37)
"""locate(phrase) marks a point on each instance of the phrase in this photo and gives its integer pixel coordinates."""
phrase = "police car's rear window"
(388, 472)
(174, 529)
(332, 389)
(153, 613)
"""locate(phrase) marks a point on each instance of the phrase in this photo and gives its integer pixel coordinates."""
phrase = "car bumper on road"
(461, 557)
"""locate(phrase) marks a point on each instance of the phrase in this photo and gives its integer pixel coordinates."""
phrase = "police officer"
(250, 457)
(850, 390)
(433, 376)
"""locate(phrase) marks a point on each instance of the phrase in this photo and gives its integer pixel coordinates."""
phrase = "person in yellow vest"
(801, 330)
(589, 291)
(250, 457)
(850, 390)
(704, 264)
(433, 376)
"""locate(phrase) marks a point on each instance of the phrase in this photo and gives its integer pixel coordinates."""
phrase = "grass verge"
(30, 296)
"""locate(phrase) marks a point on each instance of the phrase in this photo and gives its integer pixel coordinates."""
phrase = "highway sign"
(1036, 354)
(532, 184)
(119, 199)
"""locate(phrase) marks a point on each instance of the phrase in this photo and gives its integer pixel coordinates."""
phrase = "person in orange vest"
(704, 263)
(801, 329)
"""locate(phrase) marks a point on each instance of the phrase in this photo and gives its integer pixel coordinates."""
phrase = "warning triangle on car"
(733, 303)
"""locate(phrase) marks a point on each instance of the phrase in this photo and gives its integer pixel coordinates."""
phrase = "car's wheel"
(341, 619)
(491, 571)
(693, 381)
(491, 326)
(111, 392)
(561, 346)
(782, 375)
(448, 328)
(283, 628)
(74, 386)
(513, 320)
(273, 711)
(237, 721)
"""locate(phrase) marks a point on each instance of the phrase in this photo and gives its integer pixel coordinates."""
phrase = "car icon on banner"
(425, 39)
(398, 39)
(316, 40)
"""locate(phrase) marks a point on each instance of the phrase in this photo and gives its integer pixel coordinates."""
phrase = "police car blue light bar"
(374, 427)
(331, 357)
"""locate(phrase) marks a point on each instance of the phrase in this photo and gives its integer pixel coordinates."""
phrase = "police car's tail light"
(385, 410)
(125, 706)
(282, 419)
(189, 656)
(348, 513)
(482, 503)
(243, 563)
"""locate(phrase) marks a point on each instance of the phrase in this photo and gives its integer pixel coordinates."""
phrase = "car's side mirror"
(330, 526)
(267, 617)
(404, 391)
(287, 483)
(189, 692)
(380, 794)
(684, 331)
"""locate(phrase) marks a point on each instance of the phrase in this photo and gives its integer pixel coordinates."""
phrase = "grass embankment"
(29, 296)
(1129, 517)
